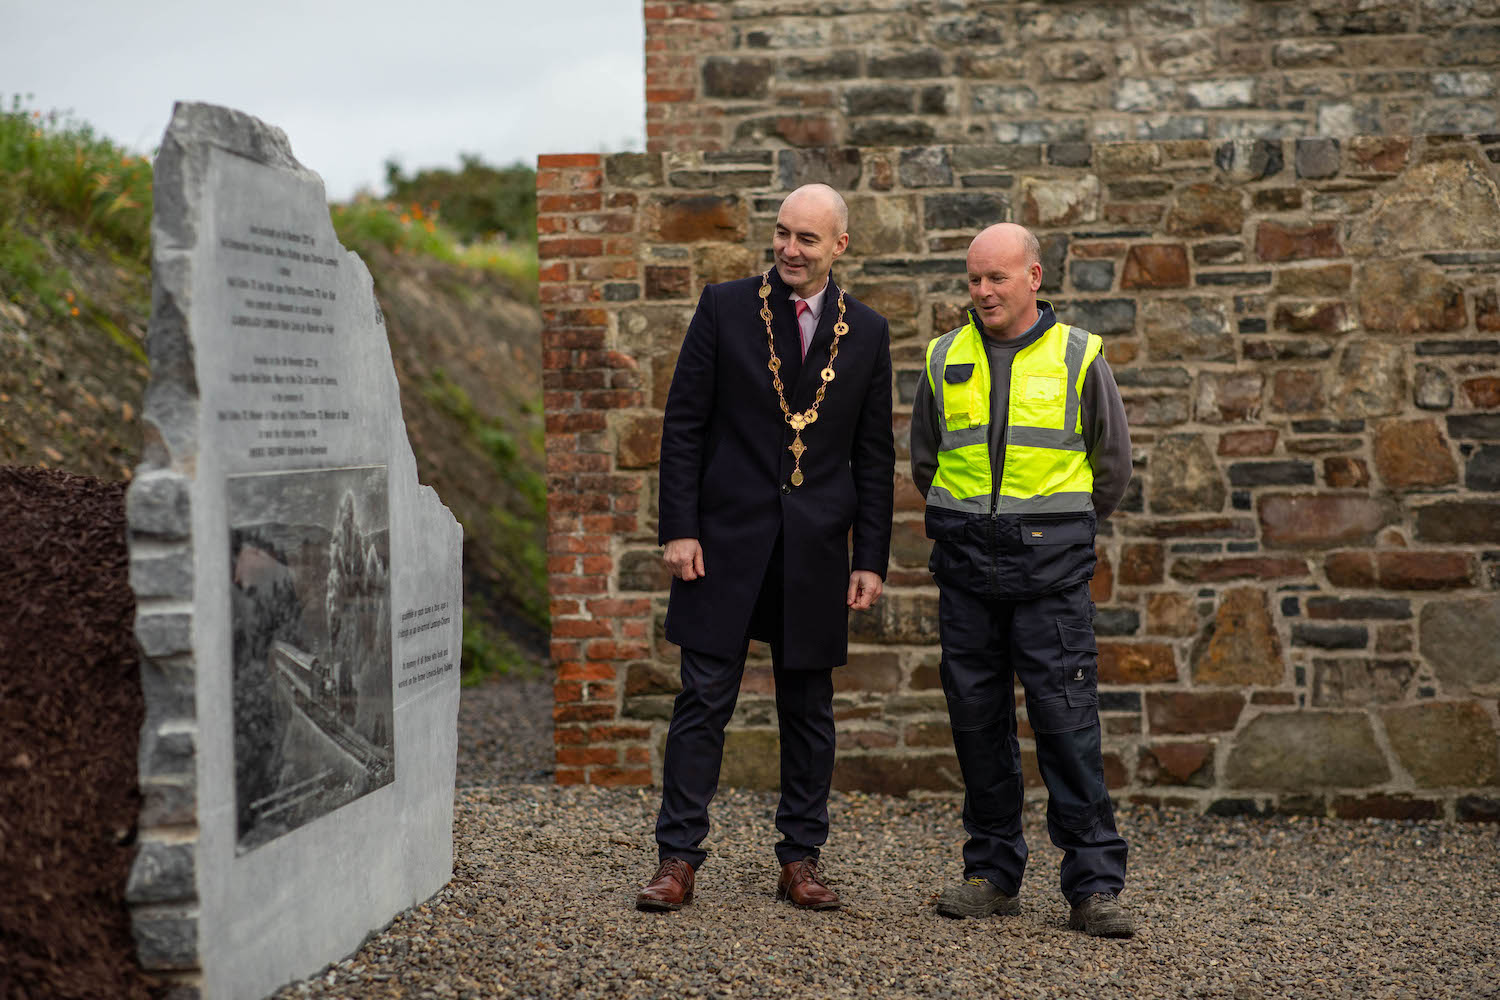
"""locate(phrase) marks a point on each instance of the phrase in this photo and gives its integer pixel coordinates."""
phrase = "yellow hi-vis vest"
(1046, 468)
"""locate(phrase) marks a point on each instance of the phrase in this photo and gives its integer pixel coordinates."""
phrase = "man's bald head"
(1007, 237)
(1005, 272)
(826, 198)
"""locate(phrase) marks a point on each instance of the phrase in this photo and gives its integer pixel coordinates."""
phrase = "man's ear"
(841, 244)
(1036, 276)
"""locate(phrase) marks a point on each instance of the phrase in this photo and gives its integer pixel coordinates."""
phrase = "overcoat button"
(786, 488)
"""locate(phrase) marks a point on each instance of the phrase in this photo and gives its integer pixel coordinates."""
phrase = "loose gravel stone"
(541, 903)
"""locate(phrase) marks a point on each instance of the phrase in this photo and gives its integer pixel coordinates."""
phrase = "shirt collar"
(814, 302)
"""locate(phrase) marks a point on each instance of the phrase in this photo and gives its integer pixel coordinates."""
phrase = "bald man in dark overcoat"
(775, 517)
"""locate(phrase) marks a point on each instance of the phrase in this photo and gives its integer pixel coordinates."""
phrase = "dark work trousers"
(1048, 644)
(695, 749)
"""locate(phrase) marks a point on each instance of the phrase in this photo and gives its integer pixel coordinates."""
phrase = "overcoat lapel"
(810, 375)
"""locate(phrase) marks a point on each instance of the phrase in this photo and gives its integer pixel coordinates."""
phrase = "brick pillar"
(676, 36)
(587, 249)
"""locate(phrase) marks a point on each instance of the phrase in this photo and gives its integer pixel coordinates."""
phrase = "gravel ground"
(544, 878)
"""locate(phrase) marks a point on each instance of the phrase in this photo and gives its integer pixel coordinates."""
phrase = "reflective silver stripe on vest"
(937, 496)
(949, 440)
(1056, 503)
(1078, 345)
(1044, 437)
(1066, 439)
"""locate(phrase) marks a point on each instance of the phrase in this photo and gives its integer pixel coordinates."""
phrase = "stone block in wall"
(841, 168)
(1241, 646)
(1445, 744)
(1172, 613)
(1233, 397)
(1457, 637)
(1276, 241)
(882, 225)
(688, 218)
(1180, 712)
(1313, 520)
(1359, 681)
(1136, 663)
(1452, 204)
(1184, 476)
(1289, 751)
(1192, 328)
(1413, 454)
(1206, 210)
(1408, 295)
(1190, 764)
(1370, 380)
(1459, 522)
(898, 618)
(1052, 202)
(874, 672)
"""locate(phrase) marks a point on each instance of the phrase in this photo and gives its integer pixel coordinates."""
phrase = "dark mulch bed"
(70, 717)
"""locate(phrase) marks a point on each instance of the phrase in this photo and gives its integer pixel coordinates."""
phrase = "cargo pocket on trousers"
(1080, 662)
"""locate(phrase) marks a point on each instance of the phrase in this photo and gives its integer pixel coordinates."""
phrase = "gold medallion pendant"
(799, 422)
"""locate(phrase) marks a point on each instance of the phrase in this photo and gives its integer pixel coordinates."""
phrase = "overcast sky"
(352, 83)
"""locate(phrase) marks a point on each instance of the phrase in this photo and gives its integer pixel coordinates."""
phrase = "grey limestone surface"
(299, 591)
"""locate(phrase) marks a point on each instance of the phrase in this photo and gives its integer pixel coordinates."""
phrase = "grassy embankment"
(75, 215)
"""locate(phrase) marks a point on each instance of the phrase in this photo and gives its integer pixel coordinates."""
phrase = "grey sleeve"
(924, 437)
(1105, 434)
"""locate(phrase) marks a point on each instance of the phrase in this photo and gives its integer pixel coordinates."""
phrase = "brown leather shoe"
(803, 886)
(671, 888)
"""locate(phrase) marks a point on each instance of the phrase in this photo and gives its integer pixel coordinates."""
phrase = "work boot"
(1101, 915)
(977, 897)
(671, 888)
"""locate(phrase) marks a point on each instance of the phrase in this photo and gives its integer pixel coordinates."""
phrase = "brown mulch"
(70, 716)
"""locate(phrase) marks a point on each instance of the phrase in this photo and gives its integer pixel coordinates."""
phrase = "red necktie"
(802, 307)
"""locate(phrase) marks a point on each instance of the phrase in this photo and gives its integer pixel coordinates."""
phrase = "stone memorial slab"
(298, 591)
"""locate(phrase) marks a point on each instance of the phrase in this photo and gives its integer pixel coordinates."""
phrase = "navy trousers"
(1048, 644)
(695, 750)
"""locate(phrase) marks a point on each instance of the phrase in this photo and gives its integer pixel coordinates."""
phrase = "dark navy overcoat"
(726, 469)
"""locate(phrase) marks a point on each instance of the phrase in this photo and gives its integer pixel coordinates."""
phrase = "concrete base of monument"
(299, 591)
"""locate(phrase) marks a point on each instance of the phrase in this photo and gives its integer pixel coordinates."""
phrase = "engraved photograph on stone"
(310, 607)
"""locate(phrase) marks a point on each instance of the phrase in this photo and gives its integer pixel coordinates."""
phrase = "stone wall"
(1299, 602)
(759, 73)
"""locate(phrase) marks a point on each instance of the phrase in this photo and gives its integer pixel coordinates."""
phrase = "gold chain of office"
(798, 421)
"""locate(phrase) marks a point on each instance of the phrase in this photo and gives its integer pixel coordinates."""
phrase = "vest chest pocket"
(957, 374)
(962, 405)
(1041, 388)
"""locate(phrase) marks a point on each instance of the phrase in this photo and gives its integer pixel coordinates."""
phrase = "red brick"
(570, 736)
(557, 271)
(579, 584)
(613, 607)
(1256, 442)
(579, 756)
(550, 225)
(618, 734)
(609, 649)
(597, 691)
(577, 246)
(638, 755)
(567, 160)
(561, 564)
(567, 691)
(612, 776)
(568, 777)
(586, 672)
(559, 607)
(569, 422)
(582, 713)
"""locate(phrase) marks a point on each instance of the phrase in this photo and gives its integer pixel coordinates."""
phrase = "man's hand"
(864, 589)
(684, 557)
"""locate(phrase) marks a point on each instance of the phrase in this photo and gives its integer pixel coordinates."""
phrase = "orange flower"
(405, 218)
(74, 311)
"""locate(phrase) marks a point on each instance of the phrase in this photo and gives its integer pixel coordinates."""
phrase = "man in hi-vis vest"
(1018, 441)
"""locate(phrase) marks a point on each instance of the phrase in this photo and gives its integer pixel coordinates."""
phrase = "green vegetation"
(479, 202)
(56, 167)
(419, 231)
